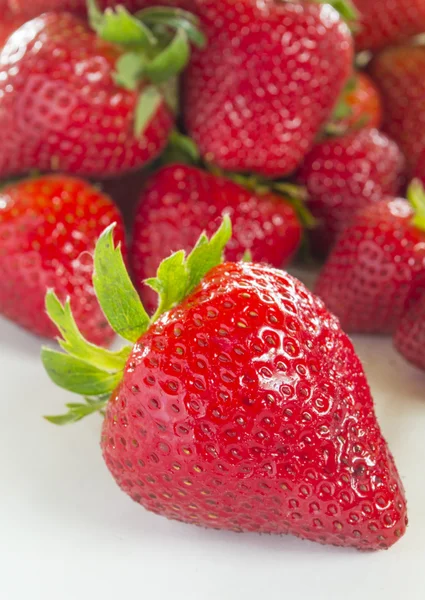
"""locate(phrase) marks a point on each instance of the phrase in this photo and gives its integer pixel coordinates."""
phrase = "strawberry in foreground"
(90, 103)
(343, 175)
(398, 73)
(240, 405)
(256, 97)
(369, 273)
(181, 201)
(48, 230)
(409, 337)
(387, 22)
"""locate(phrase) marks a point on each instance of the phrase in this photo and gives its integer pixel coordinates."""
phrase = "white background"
(68, 533)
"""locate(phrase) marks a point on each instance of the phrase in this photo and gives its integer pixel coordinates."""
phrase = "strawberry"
(360, 106)
(343, 175)
(8, 25)
(370, 270)
(409, 337)
(73, 102)
(398, 72)
(387, 22)
(242, 405)
(48, 229)
(256, 97)
(181, 201)
(37, 7)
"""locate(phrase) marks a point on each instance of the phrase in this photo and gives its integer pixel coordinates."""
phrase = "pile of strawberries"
(240, 404)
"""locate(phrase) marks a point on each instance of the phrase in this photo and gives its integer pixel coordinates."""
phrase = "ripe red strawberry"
(181, 201)
(37, 7)
(9, 24)
(409, 337)
(242, 404)
(360, 105)
(345, 174)
(370, 270)
(387, 22)
(48, 229)
(256, 97)
(72, 102)
(398, 72)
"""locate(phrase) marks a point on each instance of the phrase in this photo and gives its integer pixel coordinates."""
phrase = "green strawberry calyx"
(157, 46)
(94, 372)
(416, 196)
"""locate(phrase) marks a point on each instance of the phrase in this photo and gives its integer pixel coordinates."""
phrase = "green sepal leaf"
(177, 276)
(116, 294)
(171, 61)
(247, 256)
(175, 18)
(120, 27)
(170, 281)
(416, 197)
(180, 149)
(77, 376)
(129, 70)
(148, 103)
(75, 344)
(347, 10)
(207, 253)
(78, 411)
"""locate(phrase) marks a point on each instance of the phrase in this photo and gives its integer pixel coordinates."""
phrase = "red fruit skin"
(369, 273)
(180, 202)
(409, 337)
(8, 24)
(37, 7)
(125, 191)
(419, 172)
(246, 408)
(61, 110)
(398, 73)
(48, 230)
(365, 103)
(386, 22)
(256, 97)
(343, 175)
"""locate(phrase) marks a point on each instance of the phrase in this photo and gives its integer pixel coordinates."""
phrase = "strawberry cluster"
(168, 159)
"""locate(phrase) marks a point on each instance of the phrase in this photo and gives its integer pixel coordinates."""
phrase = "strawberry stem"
(416, 197)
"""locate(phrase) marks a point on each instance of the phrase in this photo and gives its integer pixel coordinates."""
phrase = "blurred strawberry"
(399, 74)
(181, 201)
(386, 22)
(8, 24)
(73, 102)
(409, 337)
(345, 174)
(360, 106)
(255, 99)
(37, 7)
(48, 229)
(370, 271)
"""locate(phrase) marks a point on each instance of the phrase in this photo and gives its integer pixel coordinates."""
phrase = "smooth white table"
(68, 533)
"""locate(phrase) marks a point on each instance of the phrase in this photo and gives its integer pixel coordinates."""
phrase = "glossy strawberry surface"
(368, 275)
(409, 337)
(346, 174)
(386, 22)
(256, 97)
(246, 408)
(60, 108)
(398, 72)
(48, 230)
(180, 202)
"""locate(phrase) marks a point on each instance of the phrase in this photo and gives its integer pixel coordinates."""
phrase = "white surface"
(67, 532)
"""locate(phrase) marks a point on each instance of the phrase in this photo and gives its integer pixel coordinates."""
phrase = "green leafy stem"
(95, 372)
